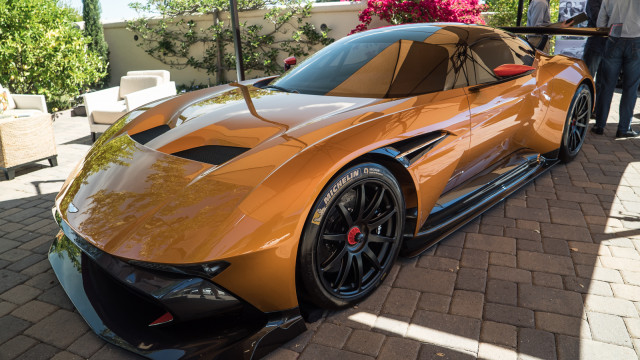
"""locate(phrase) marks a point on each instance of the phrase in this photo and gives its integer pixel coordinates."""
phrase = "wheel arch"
(410, 199)
(592, 89)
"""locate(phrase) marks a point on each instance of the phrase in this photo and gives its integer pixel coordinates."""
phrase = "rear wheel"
(575, 128)
(352, 237)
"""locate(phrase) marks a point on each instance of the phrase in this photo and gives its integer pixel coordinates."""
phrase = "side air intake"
(414, 148)
(149, 134)
(211, 154)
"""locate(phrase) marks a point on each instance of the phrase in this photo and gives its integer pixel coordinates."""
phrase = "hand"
(566, 24)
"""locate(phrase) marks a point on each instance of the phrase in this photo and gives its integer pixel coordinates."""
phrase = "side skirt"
(460, 210)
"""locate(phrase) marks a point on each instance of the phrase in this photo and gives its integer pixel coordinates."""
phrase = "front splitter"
(248, 338)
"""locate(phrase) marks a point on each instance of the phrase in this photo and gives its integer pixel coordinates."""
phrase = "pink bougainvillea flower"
(417, 11)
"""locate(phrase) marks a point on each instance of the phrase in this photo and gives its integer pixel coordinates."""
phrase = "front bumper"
(119, 301)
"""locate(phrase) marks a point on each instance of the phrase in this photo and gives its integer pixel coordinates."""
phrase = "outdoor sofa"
(26, 132)
(137, 88)
(24, 105)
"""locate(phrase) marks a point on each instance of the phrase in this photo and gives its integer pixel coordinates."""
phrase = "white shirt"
(538, 13)
(625, 12)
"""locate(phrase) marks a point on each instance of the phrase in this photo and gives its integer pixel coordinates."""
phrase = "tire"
(352, 236)
(575, 127)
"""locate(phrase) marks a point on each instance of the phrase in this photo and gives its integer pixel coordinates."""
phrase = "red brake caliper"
(351, 237)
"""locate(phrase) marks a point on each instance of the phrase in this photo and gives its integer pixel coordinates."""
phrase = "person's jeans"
(593, 58)
(620, 54)
(593, 48)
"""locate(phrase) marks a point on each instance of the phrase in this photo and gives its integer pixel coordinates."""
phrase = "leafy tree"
(43, 52)
(505, 13)
(415, 11)
(93, 30)
(178, 40)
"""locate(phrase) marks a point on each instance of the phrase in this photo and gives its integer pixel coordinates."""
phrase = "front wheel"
(575, 128)
(352, 236)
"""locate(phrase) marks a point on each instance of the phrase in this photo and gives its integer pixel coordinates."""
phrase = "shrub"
(93, 30)
(43, 52)
(506, 12)
(417, 11)
(179, 41)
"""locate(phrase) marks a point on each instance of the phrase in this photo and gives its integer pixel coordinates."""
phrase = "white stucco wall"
(126, 55)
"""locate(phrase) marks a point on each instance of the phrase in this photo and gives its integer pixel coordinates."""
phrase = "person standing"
(594, 47)
(538, 15)
(622, 52)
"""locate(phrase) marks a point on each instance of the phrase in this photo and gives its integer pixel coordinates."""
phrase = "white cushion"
(164, 74)
(23, 112)
(146, 96)
(129, 84)
(107, 117)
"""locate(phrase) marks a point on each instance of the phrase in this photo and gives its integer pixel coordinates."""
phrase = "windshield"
(384, 63)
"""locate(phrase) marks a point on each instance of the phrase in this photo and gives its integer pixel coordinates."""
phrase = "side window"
(523, 52)
(489, 53)
(421, 69)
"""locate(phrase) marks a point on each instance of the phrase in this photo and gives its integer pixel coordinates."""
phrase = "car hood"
(240, 116)
(151, 202)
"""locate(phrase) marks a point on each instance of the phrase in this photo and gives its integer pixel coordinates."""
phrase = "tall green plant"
(505, 14)
(43, 52)
(177, 39)
(93, 30)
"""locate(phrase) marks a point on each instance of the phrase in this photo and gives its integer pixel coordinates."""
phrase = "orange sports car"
(207, 224)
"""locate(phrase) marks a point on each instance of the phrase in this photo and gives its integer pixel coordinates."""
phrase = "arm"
(30, 102)
(603, 15)
(101, 99)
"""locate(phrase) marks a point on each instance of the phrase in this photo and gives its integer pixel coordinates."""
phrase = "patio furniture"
(164, 74)
(104, 107)
(24, 105)
(25, 140)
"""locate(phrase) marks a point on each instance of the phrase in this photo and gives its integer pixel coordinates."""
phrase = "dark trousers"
(593, 48)
(593, 58)
(620, 54)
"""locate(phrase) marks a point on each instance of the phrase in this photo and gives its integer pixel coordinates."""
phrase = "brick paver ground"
(553, 272)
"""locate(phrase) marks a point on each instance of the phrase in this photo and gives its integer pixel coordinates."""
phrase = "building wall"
(126, 55)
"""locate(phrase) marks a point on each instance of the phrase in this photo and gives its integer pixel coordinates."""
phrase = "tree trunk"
(220, 50)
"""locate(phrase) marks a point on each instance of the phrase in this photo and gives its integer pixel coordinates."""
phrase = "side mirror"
(511, 70)
(289, 62)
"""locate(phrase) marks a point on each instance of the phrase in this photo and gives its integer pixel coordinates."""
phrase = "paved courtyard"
(553, 272)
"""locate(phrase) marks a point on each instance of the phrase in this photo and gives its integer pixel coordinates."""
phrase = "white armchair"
(164, 74)
(104, 107)
(25, 105)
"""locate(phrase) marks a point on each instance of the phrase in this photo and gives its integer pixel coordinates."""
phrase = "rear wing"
(545, 31)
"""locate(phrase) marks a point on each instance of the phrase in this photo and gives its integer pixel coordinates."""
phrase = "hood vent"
(211, 154)
(149, 134)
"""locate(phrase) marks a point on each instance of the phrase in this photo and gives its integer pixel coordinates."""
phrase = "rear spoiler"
(545, 30)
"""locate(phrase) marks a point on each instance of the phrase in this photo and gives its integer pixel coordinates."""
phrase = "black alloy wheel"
(352, 237)
(575, 129)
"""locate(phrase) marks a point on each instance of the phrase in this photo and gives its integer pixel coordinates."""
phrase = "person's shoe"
(597, 130)
(626, 134)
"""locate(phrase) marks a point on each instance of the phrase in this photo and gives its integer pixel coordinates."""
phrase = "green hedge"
(43, 52)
